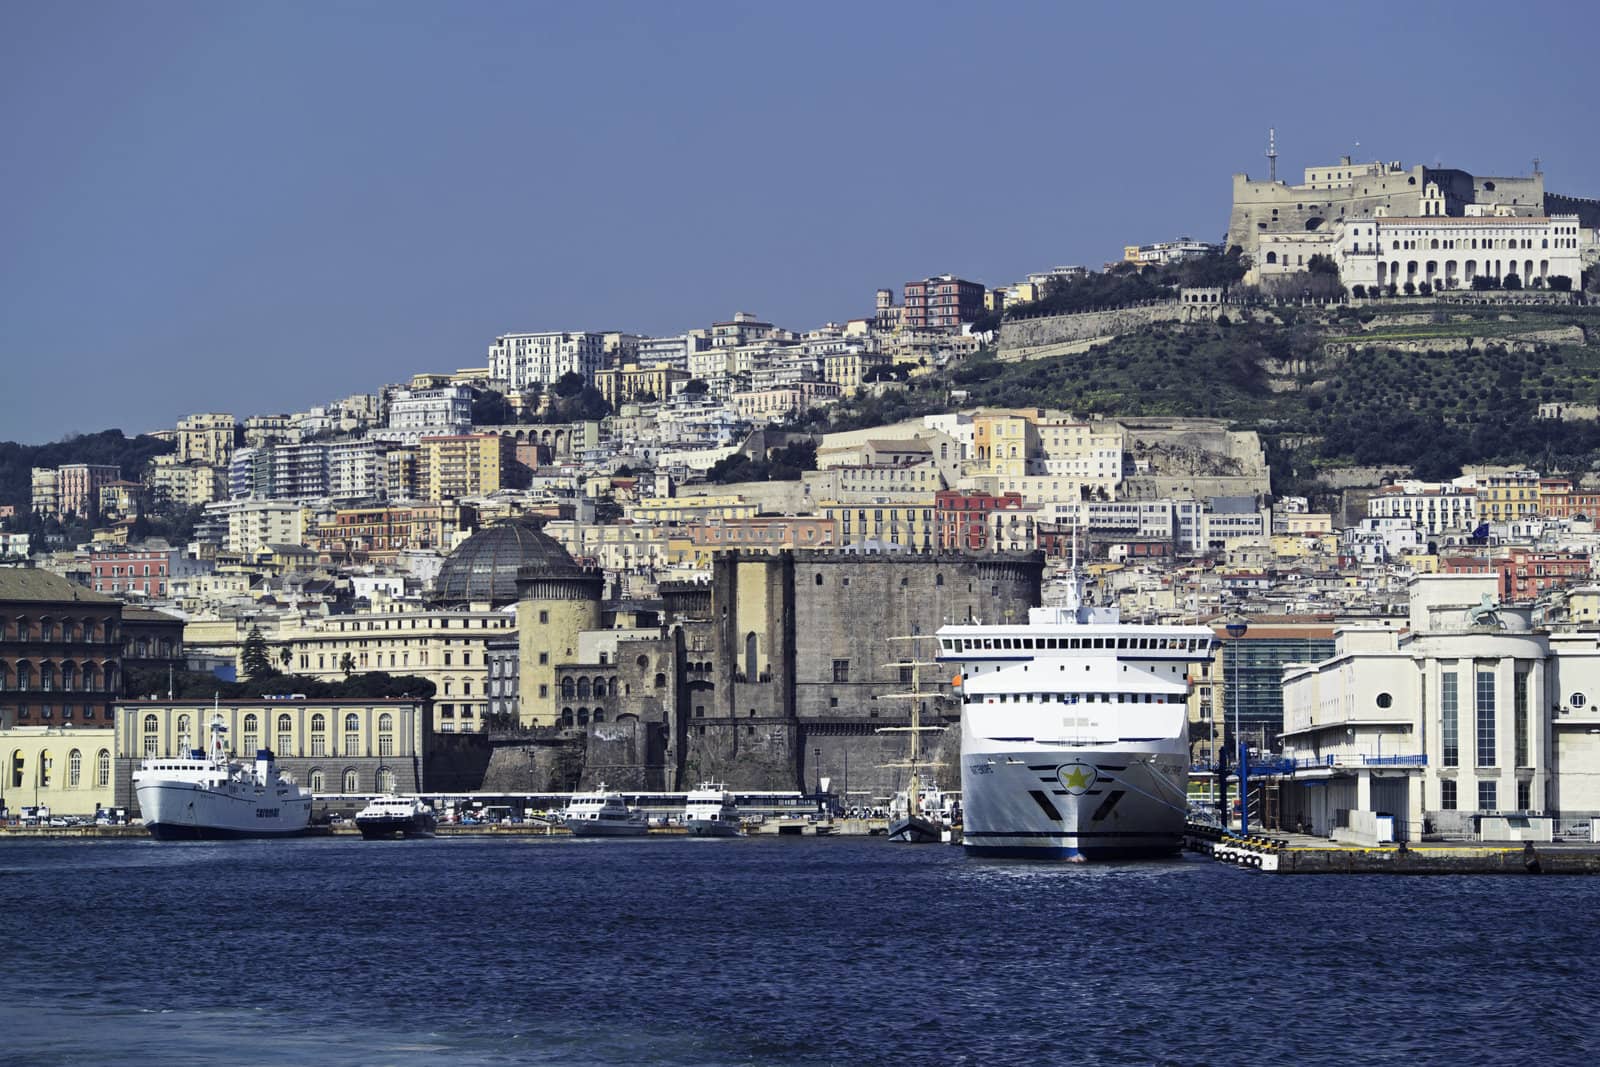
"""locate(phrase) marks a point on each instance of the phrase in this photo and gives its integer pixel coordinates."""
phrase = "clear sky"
(260, 207)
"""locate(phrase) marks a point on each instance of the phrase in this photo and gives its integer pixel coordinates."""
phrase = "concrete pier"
(1279, 853)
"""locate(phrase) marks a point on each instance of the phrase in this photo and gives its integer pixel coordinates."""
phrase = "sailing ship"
(920, 813)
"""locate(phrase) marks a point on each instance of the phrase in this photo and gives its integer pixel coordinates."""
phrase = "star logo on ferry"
(1077, 778)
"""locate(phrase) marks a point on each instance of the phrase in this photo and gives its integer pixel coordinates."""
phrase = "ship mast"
(913, 790)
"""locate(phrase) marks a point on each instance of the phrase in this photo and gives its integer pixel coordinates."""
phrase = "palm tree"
(347, 663)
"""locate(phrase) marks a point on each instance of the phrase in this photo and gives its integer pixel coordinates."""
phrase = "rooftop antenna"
(1272, 154)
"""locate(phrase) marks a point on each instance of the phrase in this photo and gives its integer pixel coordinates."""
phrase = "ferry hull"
(183, 811)
(1073, 804)
(383, 829)
(594, 828)
(915, 831)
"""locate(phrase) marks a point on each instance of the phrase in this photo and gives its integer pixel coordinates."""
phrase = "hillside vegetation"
(1364, 401)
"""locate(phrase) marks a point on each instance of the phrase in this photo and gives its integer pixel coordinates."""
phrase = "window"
(102, 769)
(386, 781)
(252, 733)
(74, 769)
(285, 733)
(1385, 700)
(1519, 727)
(352, 781)
(152, 730)
(1488, 796)
(185, 741)
(1524, 796)
(319, 735)
(352, 735)
(316, 781)
(1447, 795)
(1448, 719)
(1485, 705)
(841, 670)
(386, 737)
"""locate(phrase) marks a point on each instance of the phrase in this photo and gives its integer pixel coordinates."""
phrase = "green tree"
(347, 664)
(255, 658)
(1512, 282)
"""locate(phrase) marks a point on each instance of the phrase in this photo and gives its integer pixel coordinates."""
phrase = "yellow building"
(632, 382)
(65, 769)
(910, 523)
(466, 465)
(1508, 495)
(555, 608)
(207, 438)
(445, 647)
(1002, 443)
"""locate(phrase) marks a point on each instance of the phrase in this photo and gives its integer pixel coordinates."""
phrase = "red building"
(942, 303)
(132, 570)
(962, 519)
(1524, 573)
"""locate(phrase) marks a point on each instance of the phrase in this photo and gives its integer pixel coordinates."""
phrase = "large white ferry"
(1074, 733)
(211, 796)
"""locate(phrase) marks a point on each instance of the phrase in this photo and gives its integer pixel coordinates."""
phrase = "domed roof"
(484, 568)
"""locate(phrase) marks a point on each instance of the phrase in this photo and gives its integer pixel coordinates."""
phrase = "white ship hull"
(711, 828)
(1074, 803)
(178, 810)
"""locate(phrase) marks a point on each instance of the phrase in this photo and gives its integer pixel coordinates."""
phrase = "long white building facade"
(1466, 720)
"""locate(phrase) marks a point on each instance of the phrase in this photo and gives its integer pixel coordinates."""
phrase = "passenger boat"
(711, 812)
(1074, 732)
(603, 814)
(396, 816)
(213, 796)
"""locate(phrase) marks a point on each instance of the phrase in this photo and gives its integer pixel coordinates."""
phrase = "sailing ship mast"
(913, 790)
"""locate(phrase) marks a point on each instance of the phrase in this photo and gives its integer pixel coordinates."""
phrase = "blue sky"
(257, 208)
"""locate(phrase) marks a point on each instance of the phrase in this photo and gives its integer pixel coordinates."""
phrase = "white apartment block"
(523, 359)
(418, 413)
(1435, 508)
(357, 470)
(255, 524)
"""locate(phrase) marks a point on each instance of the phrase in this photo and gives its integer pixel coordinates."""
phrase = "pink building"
(78, 486)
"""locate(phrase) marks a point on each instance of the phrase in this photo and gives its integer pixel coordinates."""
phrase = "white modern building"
(1435, 508)
(522, 359)
(418, 413)
(1465, 720)
(357, 470)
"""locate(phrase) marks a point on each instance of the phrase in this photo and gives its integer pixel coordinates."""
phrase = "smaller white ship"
(711, 812)
(603, 814)
(396, 816)
(212, 796)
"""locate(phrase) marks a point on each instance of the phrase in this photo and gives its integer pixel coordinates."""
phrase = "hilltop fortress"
(1426, 227)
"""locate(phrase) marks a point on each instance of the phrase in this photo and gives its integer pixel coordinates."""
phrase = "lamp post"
(1236, 630)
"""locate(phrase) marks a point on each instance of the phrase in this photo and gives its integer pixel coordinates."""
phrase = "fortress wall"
(1018, 335)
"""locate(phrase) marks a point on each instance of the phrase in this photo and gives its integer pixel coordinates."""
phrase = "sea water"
(754, 951)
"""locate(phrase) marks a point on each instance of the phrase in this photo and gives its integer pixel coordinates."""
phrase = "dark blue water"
(685, 951)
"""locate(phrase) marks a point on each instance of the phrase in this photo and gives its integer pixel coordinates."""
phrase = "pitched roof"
(27, 583)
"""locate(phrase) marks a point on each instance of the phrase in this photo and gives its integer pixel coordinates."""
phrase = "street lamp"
(1237, 629)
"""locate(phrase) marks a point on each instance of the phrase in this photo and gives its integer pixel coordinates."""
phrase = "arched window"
(599, 715)
(1272, 257)
(386, 737)
(102, 769)
(24, 676)
(566, 717)
(74, 769)
(252, 734)
(91, 678)
(642, 662)
(319, 734)
(750, 656)
(69, 677)
(568, 689)
(352, 735)
(661, 681)
(316, 781)
(583, 716)
(47, 677)
(352, 781)
(599, 688)
(46, 767)
(185, 742)
(285, 733)
(386, 781)
(152, 732)
(584, 690)
(19, 766)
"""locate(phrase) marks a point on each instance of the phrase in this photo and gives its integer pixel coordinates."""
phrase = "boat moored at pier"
(603, 814)
(212, 796)
(1074, 733)
(711, 812)
(396, 816)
